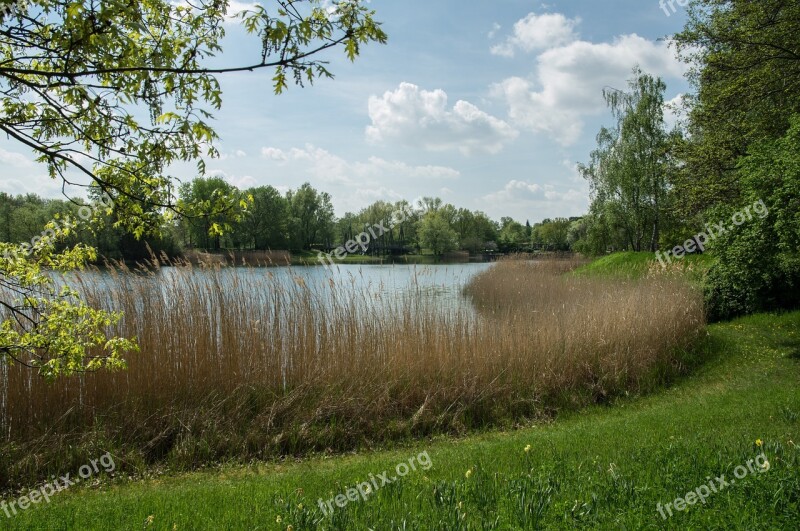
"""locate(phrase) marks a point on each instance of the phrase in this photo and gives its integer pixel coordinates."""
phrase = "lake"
(377, 285)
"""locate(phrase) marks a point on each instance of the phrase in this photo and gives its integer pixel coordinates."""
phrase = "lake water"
(377, 285)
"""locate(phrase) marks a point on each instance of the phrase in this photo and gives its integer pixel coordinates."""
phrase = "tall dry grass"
(235, 364)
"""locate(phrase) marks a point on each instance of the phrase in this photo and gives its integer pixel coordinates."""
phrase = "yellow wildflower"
(527, 448)
(759, 442)
(468, 473)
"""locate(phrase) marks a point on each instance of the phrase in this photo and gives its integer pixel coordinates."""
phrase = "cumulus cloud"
(538, 32)
(568, 82)
(239, 181)
(421, 118)
(326, 166)
(318, 162)
(353, 183)
(238, 154)
(234, 8)
(674, 111)
(532, 195)
(17, 160)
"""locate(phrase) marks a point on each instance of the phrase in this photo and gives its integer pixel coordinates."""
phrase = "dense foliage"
(742, 145)
(262, 218)
(739, 145)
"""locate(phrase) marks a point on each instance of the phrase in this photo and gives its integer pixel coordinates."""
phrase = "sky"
(488, 104)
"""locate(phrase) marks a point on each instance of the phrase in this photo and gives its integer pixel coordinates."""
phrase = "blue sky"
(486, 104)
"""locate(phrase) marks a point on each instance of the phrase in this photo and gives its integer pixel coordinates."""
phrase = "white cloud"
(239, 181)
(376, 166)
(272, 153)
(569, 81)
(538, 32)
(320, 163)
(364, 196)
(234, 8)
(674, 112)
(422, 119)
(235, 154)
(14, 159)
(545, 198)
(326, 166)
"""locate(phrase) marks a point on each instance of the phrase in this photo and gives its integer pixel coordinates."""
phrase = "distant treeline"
(299, 220)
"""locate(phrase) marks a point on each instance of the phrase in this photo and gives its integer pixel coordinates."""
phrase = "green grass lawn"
(636, 265)
(607, 467)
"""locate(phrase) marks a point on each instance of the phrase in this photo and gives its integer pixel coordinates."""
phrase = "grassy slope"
(603, 468)
(635, 265)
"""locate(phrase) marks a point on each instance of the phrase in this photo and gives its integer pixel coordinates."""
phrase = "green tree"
(629, 169)
(207, 224)
(407, 231)
(129, 88)
(511, 238)
(436, 234)
(552, 235)
(264, 224)
(758, 266)
(740, 147)
(745, 68)
(311, 218)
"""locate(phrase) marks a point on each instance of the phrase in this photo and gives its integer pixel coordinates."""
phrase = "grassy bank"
(632, 265)
(607, 467)
(237, 365)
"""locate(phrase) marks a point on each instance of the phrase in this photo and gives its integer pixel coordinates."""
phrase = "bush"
(759, 263)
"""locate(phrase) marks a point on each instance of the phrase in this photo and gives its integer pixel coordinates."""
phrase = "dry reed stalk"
(240, 364)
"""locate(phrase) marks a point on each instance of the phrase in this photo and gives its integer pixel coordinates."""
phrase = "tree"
(407, 231)
(740, 148)
(263, 225)
(745, 67)
(127, 87)
(628, 170)
(311, 218)
(208, 224)
(429, 204)
(381, 214)
(436, 234)
(512, 236)
(758, 266)
(552, 235)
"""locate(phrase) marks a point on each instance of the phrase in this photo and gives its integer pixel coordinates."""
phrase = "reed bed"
(237, 365)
